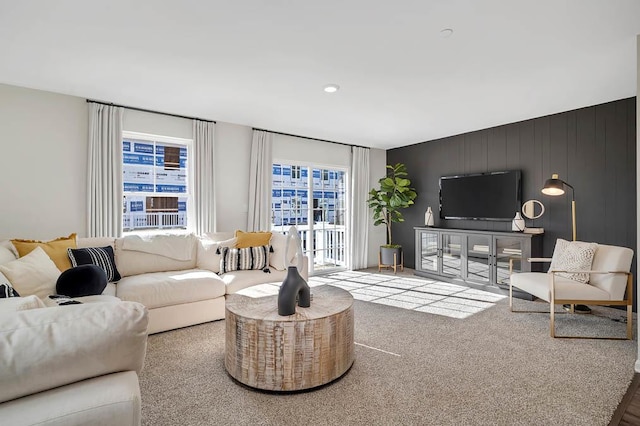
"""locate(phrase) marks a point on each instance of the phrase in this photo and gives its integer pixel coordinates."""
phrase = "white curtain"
(259, 217)
(359, 217)
(204, 176)
(104, 191)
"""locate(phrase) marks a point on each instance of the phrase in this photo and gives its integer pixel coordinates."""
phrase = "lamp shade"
(553, 186)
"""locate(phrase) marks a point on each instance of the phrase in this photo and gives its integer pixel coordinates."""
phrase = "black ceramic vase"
(293, 286)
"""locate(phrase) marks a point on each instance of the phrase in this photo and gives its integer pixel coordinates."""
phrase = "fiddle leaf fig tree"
(394, 194)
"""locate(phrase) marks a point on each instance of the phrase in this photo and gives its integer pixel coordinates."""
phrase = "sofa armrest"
(41, 349)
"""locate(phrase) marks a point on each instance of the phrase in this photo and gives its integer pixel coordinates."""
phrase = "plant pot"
(387, 256)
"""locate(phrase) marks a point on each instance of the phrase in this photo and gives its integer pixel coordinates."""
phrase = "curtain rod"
(148, 110)
(313, 139)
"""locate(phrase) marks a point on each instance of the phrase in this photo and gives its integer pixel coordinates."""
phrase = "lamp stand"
(573, 218)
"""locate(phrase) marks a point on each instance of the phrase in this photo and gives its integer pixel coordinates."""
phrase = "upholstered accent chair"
(608, 282)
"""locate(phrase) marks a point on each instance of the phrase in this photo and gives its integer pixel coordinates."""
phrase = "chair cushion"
(573, 256)
(539, 285)
(158, 289)
(611, 258)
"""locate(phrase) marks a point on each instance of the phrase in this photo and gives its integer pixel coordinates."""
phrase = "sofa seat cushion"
(539, 285)
(158, 289)
(237, 280)
(112, 399)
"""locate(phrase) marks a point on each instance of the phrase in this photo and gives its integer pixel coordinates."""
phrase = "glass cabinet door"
(428, 251)
(478, 258)
(509, 254)
(452, 248)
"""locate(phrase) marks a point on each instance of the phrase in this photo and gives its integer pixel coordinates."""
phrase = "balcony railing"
(155, 220)
(328, 241)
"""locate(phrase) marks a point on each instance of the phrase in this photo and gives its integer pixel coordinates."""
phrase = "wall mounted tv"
(481, 196)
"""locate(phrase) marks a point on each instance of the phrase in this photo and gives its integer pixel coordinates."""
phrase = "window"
(313, 199)
(155, 175)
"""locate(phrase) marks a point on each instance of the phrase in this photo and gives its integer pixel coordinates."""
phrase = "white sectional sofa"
(71, 365)
(79, 364)
(177, 276)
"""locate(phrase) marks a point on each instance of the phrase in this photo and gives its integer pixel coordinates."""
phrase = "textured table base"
(288, 353)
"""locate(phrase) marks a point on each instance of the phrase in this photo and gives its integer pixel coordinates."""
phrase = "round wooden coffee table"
(288, 353)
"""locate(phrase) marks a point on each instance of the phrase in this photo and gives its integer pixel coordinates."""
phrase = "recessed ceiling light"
(446, 33)
(331, 88)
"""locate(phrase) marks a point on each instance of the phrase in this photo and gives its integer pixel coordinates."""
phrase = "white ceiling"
(264, 63)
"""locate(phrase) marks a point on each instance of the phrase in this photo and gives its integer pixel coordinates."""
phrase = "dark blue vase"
(293, 286)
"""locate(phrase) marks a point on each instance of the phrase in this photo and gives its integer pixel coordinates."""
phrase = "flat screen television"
(481, 196)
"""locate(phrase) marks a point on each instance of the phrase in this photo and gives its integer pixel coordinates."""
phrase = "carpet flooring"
(412, 367)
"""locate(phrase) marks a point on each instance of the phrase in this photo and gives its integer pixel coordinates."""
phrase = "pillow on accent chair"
(252, 239)
(243, 259)
(34, 273)
(7, 291)
(55, 249)
(573, 256)
(83, 280)
(99, 256)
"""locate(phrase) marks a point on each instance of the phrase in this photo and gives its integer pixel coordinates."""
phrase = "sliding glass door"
(314, 199)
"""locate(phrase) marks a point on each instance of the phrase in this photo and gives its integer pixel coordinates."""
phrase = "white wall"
(377, 234)
(233, 155)
(157, 124)
(309, 151)
(44, 147)
(43, 137)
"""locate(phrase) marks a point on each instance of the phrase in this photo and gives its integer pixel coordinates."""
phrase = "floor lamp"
(555, 186)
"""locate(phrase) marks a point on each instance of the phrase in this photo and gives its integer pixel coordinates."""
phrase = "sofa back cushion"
(131, 260)
(66, 344)
(7, 252)
(210, 253)
(84, 242)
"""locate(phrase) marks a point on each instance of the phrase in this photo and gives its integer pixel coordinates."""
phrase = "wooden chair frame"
(627, 301)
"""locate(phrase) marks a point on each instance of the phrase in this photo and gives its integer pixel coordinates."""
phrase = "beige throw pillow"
(573, 256)
(210, 253)
(34, 273)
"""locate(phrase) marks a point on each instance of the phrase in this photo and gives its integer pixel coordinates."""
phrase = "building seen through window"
(155, 184)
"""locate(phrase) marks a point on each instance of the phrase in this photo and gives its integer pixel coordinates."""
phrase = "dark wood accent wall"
(593, 149)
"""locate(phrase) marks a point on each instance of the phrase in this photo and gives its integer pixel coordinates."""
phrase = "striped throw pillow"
(99, 256)
(7, 291)
(243, 259)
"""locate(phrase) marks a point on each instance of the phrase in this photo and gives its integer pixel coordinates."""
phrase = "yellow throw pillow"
(55, 249)
(252, 239)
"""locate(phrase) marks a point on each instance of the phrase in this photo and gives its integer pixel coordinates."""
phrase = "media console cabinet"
(479, 259)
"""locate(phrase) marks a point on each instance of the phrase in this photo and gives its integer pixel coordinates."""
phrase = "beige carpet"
(491, 368)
